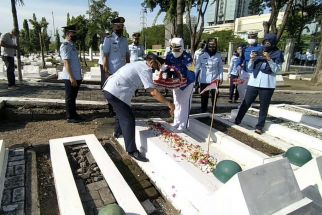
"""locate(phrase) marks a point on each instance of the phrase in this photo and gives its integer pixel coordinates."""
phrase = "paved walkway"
(56, 91)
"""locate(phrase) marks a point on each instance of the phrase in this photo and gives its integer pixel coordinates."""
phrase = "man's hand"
(253, 55)
(73, 82)
(266, 56)
(171, 107)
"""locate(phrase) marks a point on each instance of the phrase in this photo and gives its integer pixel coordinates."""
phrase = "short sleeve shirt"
(128, 79)
(136, 52)
(116, 48)
(69, 52)
(7, 39)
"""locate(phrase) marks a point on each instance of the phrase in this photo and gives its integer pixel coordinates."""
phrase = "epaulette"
(109, 36)
(65, 43)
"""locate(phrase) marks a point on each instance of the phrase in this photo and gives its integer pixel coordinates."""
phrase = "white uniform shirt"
(136, 52)
(7, 39)
(116, 48)
(101, 59)
(211, 68)
(128, 79)
(68, 51)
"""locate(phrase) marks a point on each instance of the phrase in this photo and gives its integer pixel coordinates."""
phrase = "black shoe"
(73, 120)
(79, 118)
(116, 135)
(230, 101)
(258, 131)
(138, 156)
(236, 123)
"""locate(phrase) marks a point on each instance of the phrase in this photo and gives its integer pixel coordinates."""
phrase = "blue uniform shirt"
(264, 80)
(128, 79)
(116, 48)
(256, 48)
(210, 68)
(182, 63)
(68, 51)
(136, 52)
(233, 68)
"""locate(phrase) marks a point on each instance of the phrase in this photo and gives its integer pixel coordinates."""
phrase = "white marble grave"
(297, 114)
(3, 166)
(267, 189)
(67, 194)
(93, 75)
(291, 136)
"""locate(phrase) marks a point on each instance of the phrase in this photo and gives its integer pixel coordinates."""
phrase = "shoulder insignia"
(65, 43)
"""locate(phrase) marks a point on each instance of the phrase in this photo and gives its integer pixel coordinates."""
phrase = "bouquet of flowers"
(190, 152)
(170, 78)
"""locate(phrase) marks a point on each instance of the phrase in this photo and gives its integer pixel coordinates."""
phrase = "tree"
(256, 7)
(174, 14)
(57, 41)
(154, 35)
(25, 45)
(276, 6)
(16, 27)
(196, 29)
(82, 28)
(317, 77)
(40, 29)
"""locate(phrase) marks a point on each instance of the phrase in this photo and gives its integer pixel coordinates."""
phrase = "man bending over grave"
(119, 90)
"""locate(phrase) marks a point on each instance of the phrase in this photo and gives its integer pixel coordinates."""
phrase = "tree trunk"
(285, 18)
(317, 77)
(42, 51)
(180, 11)
(16, 26)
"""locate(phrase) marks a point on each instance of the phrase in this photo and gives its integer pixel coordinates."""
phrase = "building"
(226, 11)
(240, 26)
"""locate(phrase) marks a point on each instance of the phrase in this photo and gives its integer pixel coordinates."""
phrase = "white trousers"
(182, 101)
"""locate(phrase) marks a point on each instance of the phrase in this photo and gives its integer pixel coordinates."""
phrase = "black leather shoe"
(116, 135)
(258, 131)
(73, 120)
(138, 156)
(79, 118)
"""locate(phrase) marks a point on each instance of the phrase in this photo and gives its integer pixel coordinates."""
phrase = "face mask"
(251, 41)
(119, 31)
(73, 38)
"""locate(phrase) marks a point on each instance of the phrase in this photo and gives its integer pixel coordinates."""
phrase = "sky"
(129, 9)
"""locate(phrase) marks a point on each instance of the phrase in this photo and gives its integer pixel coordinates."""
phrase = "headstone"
(90, 54)
(289, 48)
(265, 189)
(31, 71)
(93, 75)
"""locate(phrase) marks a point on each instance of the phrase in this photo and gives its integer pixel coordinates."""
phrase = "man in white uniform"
(119, 91)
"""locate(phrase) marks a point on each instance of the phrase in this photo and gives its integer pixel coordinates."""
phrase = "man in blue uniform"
(71, 73)
(119, 90)
(115, 48)
(116, 51)
(253, 46)
(136, 49)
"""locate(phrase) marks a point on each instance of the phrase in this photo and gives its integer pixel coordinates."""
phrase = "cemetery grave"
(83, 173)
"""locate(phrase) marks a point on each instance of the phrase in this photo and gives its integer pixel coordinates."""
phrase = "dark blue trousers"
(124, 121)
(70, 98)
(265, 96)
(232, 88)
(10, 64)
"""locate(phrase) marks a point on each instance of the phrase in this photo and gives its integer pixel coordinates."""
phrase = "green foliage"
(154, 36)
(224, 37)
(82, 28)
(256, 7)
(57, 42)
(99, 21)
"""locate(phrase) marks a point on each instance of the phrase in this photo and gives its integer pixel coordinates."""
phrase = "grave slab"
(293, 137)
(67, 193)
(3, 167)
(265, 189)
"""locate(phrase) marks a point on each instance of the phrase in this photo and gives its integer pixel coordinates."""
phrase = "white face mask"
(251, 41)
(177, 54)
